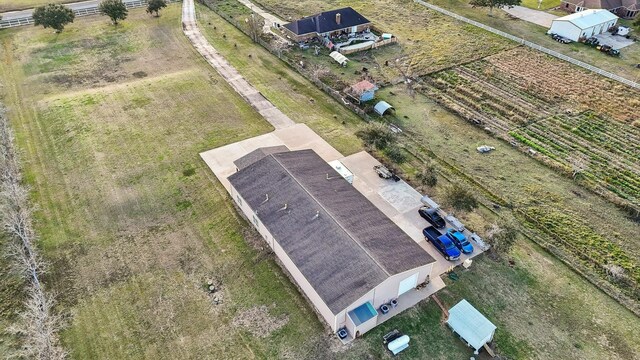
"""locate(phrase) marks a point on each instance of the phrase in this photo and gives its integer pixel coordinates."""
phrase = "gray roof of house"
(342, 244)
(325, 22)
(258, 154)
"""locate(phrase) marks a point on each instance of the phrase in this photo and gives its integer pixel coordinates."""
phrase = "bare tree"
(403, 65)
(578, 163)
(280, 46)
(255, 25)
(38, 326)
(319, 71)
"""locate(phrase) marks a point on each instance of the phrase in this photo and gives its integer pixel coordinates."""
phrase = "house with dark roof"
(345, 255)
(327, 24)
(626, 9)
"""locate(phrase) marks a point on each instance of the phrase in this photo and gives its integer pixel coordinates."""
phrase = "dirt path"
(274, 116)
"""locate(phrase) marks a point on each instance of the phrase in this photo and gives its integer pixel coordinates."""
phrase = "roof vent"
(266, 198)
(338, 18)
(283, 208)
(330, 178)
(317, 215)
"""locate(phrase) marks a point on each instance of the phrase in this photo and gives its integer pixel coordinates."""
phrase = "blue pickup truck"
(442, 242)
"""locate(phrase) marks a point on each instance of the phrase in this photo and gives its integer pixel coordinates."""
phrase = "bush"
(376, 135)
(502, 238)
(395, 154)
(428, 176)
(460, 198)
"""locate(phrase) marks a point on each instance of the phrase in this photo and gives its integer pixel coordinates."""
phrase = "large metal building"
(344, 254)
(584, 24)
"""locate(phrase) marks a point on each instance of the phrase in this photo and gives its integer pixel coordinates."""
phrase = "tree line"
(57, 16)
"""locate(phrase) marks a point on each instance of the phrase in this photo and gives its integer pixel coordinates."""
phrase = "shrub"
(428, 176)
(395, 154)
(460, 198)
(376, 135)
(502, 238)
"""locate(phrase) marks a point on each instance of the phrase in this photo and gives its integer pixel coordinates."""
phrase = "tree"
(154, 6)
(637, 22)
(494, 3)
(114, 9)
(428, 176)
(460, 198)
(255, 24)
(53, 16)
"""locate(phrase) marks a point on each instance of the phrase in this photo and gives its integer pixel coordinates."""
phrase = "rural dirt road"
(73, 6)
(274, 116)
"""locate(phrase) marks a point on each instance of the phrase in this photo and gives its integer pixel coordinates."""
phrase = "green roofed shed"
(471, 325)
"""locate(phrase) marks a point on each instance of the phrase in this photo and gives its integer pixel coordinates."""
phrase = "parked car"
(561, 39)
(432, 216)
(592, 41)
(460, 241)
(442, 243)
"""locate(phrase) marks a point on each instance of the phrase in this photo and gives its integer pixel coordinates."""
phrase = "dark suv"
(432, 216)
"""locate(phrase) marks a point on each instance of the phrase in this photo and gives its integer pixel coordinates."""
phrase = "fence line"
(532, 45)
(28, 19)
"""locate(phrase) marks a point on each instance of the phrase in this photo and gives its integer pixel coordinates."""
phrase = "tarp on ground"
(381, 107)
(470, 324)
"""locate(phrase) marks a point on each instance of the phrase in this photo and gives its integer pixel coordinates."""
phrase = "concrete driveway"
(533, 16)
(397, 200)
(615, 41)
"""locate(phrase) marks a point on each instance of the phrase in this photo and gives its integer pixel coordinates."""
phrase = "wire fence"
(28, 19)
(532, 45)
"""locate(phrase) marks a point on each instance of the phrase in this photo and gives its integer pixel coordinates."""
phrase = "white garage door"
(408, 284)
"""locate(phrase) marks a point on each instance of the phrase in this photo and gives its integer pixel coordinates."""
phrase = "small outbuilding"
(382, 107)
(583, 24)
(339, 58)
(472, 327)
(362, 91)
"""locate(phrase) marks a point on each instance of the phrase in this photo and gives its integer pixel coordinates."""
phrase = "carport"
(472, 327)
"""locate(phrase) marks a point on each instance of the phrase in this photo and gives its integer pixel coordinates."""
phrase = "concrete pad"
(615, 41)
(537, 17)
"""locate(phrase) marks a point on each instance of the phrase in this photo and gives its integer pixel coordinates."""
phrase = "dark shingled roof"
(258, 154)
(341, 242)
(326, 22)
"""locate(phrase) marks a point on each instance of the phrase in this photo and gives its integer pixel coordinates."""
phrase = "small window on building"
(239, 200)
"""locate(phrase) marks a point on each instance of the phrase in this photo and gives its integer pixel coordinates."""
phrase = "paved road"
(274, 116)
(533, 16)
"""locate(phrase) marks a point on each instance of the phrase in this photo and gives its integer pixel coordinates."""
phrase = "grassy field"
(546, 4)
(454, 140)
(623, 66)
(111, 121)
(429, 41)
(11, 5)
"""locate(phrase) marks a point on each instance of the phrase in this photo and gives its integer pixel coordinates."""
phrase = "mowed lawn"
(110, 122)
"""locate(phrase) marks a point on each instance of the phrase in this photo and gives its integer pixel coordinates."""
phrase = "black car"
(560, 39)
(432, 216)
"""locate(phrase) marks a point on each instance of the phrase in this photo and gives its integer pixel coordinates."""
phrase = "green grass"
(455, 140)
(546, 4)
(131, 220)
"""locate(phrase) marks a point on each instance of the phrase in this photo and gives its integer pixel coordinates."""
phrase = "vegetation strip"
(39, 326)
(533, 45)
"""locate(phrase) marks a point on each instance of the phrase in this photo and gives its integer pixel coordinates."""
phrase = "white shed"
(583, 24)
(475, 329)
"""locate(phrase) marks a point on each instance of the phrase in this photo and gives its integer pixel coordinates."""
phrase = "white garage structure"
(583, 24)
(472, 327)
